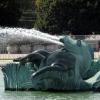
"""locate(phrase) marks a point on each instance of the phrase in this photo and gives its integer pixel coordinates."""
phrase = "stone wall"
(28, 48)
(3, 48)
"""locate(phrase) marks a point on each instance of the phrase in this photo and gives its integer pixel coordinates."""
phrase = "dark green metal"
(69, 68)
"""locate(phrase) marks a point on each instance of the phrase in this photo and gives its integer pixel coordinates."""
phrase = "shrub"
(9, 12)
(59, 16)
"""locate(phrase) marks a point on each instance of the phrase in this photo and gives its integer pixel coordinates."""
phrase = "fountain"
(70, 68)
(19, 35)
(15, 39)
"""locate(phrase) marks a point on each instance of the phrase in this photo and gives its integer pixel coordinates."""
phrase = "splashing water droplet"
(20, 34)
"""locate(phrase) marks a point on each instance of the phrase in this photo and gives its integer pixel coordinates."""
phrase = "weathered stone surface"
(25, 49)
(11, 49)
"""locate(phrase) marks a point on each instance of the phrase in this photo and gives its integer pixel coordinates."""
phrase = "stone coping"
(10, 56)
(13, 56)
(96, 55)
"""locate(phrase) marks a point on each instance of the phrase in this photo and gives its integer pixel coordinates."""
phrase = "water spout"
(18, 34)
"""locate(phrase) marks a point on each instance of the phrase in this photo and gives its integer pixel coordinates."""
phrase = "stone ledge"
(10, 56)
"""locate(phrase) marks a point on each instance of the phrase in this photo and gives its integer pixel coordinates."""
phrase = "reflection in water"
(38, 95)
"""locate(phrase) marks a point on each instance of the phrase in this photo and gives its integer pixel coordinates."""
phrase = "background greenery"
(56, 16)
(9, 13)
(60, 16)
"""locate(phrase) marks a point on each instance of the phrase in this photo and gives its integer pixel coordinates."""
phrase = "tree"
(9, 12)
(60, 16)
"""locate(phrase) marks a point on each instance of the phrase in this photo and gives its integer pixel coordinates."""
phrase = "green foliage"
(46, 18)
(9, 12)
(77, 16)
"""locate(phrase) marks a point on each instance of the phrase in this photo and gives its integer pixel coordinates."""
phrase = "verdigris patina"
(69, 68)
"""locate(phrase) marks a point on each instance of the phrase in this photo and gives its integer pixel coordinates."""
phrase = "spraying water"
(18, 34)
